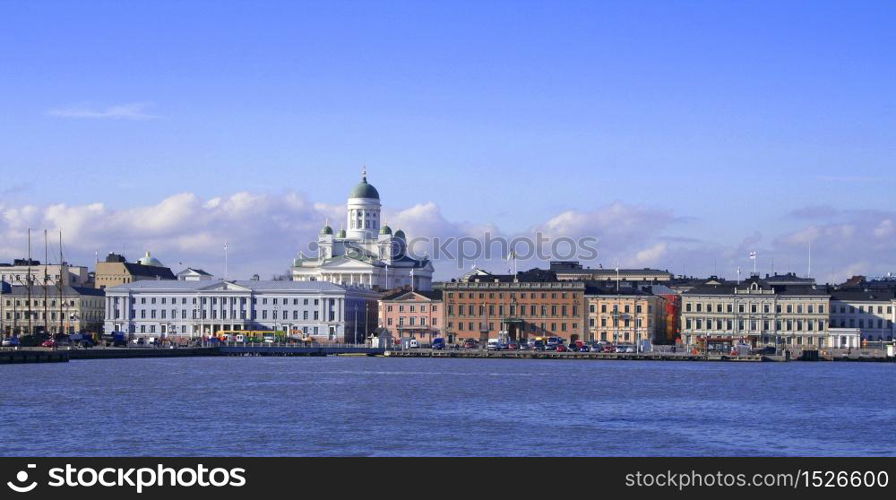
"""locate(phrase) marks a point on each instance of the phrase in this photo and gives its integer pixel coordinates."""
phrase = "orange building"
(522, 306)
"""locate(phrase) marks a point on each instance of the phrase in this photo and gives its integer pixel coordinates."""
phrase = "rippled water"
(380, 406)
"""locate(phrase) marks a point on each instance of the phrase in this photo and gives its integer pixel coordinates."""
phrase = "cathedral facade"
(366, 253)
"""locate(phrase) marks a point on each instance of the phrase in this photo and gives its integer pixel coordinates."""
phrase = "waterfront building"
(412, 314)
(17, 273)
(50, 310)
(574, 271)
(870, 311)
(517, 307)
(625, 315)
(756, 312)
(365, 254)
(320, 310)
(116, 270)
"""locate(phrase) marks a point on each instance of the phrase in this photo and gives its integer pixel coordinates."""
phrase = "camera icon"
(21, 478)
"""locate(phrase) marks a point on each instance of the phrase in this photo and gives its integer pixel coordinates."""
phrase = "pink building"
(412, 314)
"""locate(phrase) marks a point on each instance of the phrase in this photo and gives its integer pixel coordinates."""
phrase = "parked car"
(561, 348)
(513, 346)
(539, 345)
(413, 344)
(572, 347)
(525, 346)
(596, 347)
(48, 343)
(11, 342)
(608, 348)
(438, 343)
(585, 348)
(470, 344)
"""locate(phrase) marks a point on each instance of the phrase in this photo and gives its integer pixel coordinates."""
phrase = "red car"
(48, 343)
(562, 348)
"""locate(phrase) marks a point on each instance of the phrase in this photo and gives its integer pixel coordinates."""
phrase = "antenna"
(809, 272)
(225, 260)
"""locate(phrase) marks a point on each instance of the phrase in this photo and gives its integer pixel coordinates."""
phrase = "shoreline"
(50, 355)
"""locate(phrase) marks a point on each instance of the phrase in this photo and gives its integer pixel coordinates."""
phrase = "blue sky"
(749, 123)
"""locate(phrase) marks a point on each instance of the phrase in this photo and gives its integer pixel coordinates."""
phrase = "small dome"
(340, 233)
(399, 234)
(326, 230)
(149, 260)
(386, 230)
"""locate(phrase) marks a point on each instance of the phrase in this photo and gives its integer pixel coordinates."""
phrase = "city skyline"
(668, 132)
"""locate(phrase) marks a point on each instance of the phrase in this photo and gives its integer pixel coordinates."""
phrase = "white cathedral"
(367, 254)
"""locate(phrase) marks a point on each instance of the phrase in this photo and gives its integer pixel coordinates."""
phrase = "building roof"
(257, 286)
(863, 295)
(429, 294)
(160, 272)
(612, 290)
(53, 291)
(726, 287)
(194, 271)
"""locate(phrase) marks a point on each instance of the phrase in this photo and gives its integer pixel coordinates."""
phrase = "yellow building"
(624, 315)
(115, 270)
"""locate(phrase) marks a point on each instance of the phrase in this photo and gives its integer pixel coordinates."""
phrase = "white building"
(870, 311)
(365, 254)
(17, 273)
(193, 308)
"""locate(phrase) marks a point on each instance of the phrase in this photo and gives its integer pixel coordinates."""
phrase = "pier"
(526, 354)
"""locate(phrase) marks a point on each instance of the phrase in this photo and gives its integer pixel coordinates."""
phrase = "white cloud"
(265, 231)
(128, 111)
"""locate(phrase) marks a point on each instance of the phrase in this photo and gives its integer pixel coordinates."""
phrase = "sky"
(681, 134)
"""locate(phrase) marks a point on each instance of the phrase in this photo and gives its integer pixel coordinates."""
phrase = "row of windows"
(852, 323)
(51, 303)
(473, 326)
(625, 323)
(412, 321)
(413, 308)
(754, 325)
(860, 309)
(313, 330)
(625, 308)
(512, 295)
(471, 310)
(40, 315)
(241, 314)
(223, 300)
(754, 308)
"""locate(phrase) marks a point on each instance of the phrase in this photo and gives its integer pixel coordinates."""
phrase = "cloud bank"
(265, 231)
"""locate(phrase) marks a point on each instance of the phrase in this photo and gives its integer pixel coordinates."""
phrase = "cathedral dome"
(400, 234)
(363, 189)
(149, 260)
(326, 230)
(340, 233)
(386, 230)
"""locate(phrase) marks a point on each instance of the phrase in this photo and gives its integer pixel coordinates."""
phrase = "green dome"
(326, 230)
(364, 190)
(340, 233)
(386, 230)
(149, 260)
(399, 234)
